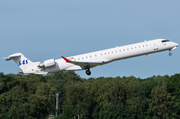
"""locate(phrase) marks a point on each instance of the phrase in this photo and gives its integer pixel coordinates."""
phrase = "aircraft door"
(156, 47)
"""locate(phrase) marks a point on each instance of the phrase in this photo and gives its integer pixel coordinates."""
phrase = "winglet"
(66, 59)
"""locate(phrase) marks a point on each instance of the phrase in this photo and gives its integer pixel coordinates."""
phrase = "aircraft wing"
(84, 64)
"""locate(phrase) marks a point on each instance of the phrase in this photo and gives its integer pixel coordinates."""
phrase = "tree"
(173, 84)
(160, 103)
(30, 98)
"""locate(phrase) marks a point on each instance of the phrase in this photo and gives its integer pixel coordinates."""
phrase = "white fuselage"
(113, 54)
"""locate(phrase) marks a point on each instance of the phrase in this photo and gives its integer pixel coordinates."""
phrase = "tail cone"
(21, 71)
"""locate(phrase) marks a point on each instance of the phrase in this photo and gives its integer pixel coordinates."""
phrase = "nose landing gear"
(170, 52)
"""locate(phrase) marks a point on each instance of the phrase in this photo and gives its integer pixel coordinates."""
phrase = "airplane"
(93, 59)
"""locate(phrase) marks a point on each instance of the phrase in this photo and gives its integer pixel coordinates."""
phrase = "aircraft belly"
(74, 67)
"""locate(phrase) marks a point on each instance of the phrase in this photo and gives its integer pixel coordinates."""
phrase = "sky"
(46, 29)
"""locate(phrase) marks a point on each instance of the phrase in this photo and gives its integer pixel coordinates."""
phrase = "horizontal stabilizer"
(13, 56)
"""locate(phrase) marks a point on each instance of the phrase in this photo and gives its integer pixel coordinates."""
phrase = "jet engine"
(48, 63)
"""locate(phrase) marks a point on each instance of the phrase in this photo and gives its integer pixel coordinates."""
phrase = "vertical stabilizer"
(20, 60)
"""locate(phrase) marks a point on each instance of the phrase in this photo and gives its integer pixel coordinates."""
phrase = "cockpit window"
(165, 41)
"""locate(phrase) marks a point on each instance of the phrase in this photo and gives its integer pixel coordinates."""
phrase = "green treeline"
(33, 97)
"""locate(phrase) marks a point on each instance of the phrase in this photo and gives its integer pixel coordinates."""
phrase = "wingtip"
(67, 60)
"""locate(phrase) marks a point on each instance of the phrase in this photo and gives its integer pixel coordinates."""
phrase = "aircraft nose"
(176, 44)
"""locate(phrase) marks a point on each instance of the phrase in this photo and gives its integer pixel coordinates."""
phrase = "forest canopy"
(33, 97)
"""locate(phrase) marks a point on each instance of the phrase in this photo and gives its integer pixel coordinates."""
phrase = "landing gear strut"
(88, 72)
(170, 52)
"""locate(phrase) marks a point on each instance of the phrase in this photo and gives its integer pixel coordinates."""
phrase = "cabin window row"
(113, 52)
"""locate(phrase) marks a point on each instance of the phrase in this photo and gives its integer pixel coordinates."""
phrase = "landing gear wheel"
(170, 52)
(88, 72)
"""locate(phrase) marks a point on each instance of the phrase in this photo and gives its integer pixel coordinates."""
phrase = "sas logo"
(23, 62)
(71, 58)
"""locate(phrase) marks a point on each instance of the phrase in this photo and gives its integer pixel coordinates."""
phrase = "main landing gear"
(88, 72)
(170, 52)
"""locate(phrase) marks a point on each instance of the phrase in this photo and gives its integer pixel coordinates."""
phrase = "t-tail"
(26, 65)
(20, 60)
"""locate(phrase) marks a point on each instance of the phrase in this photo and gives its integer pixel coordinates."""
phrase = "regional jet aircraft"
(93, 59)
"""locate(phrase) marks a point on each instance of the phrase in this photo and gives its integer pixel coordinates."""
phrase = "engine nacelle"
(48, 63)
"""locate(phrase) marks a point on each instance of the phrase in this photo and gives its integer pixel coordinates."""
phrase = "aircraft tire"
(88, 72)
(170, 54)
